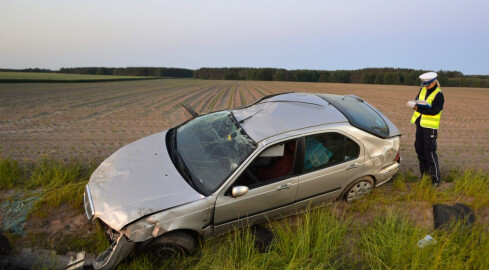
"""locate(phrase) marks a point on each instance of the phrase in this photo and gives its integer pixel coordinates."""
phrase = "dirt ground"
(89, 121)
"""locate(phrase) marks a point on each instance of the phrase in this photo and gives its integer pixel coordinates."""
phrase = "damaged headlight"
(87, 200)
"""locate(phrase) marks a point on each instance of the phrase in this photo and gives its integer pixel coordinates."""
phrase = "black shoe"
(436, 184)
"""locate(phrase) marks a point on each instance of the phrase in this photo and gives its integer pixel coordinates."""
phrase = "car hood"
(137, 180)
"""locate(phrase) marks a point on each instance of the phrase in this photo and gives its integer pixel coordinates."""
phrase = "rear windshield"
(359, 114)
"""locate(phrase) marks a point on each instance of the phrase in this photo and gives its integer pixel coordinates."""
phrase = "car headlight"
(87, 201)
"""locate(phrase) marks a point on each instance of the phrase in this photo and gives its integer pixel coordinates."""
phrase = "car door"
(331, 161)
(272, 184)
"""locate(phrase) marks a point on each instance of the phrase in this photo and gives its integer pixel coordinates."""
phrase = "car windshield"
(211, 147)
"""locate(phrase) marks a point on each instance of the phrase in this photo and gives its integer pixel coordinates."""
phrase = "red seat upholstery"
(279, 167)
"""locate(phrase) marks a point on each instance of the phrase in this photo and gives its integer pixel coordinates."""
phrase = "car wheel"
(170, 245)
(359, 189)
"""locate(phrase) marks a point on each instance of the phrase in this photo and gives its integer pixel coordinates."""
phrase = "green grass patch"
(12, 77)
(9, 172)
(231, 98)
(376, 232)
(241, 96)
(474, 184)
(58, 182)
(391, 243)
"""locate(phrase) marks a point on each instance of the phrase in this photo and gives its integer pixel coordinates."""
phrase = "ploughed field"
(89, 121)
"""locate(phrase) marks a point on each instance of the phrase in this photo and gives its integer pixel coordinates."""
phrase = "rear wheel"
(359, 189)
(170, 245)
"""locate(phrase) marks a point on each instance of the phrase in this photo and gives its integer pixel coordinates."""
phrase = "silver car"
(219, 171)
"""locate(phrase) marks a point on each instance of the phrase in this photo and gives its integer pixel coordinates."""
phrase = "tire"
(359, 189)
(172, 244)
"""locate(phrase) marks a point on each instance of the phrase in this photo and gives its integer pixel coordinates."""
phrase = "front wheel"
(359, 189)
(172, 244)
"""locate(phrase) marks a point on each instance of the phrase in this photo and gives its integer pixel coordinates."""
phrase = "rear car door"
(331, 161)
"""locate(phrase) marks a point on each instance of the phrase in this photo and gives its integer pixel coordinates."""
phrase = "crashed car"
(226, 169)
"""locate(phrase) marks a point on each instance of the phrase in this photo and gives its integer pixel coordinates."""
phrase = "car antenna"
(190, 110)
(243, 120)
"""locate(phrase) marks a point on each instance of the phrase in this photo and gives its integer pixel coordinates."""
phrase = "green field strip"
(253, 96)
(214, 101)
(206, 100)
(33, 77)
(223, 102)
(231, 98)
(241, 96)
(262, 92)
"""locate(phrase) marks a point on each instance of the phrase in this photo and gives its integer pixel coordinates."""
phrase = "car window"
(360, 114)
(327, 149)
(273, 164)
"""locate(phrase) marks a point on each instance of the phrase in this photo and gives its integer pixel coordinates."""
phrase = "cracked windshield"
(212, 147)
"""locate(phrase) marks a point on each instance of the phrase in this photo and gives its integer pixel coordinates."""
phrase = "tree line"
(131, 71)
(389, 76)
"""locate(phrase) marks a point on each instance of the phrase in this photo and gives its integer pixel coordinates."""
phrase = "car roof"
(277, 114)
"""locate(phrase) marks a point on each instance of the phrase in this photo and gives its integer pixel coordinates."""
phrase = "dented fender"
(195, 216)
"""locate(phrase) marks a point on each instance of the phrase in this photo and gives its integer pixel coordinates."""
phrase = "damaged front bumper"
(119, 249)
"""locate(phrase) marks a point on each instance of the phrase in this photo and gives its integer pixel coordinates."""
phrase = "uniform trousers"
(425, 146)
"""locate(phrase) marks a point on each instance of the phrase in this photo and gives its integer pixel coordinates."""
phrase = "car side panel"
(257, 205)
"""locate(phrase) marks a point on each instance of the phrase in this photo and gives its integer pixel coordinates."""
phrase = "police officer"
(427, 120)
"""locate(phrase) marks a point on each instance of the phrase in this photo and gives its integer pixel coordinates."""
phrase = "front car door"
(272, 184)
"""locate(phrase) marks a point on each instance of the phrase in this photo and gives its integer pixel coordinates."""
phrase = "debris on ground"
(47, 259)
(446, 216)
(15, 210)
(263, 237)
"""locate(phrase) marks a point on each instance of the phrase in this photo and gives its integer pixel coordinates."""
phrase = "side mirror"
(239, 191)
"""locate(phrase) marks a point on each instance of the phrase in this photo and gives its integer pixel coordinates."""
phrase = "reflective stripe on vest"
(427, 121)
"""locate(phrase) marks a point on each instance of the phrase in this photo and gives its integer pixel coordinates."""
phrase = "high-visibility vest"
(427, 121)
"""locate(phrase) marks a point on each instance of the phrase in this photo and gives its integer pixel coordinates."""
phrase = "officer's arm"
(436, 105)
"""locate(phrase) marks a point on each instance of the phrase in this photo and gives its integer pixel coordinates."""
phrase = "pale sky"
(325, 35)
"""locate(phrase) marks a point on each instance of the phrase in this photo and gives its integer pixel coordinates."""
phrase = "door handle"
(285, 186)
(351, 166)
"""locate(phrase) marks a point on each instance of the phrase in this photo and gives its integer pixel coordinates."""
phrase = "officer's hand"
(415, 107)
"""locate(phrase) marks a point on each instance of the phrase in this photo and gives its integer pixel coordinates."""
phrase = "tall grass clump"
(315, 241)
(473, 184)
(423, 190)
(10, 173)
(55, 173)
(388, 242)
(391, 243)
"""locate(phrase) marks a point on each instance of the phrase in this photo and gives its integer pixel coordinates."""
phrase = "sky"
(324, 35)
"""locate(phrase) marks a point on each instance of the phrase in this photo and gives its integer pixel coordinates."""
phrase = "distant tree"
(392, 78)
(368, 78)
(379, 79)
(324, 77)
(340, 76)
(280, 75)
(231, 76)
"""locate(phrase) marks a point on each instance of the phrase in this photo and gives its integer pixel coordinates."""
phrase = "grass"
(59, 77)
(59, 182)
(377, 232)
